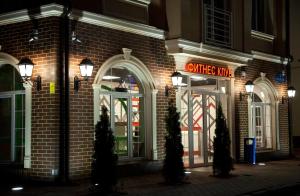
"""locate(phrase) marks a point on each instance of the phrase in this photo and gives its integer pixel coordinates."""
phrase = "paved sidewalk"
(246, 180)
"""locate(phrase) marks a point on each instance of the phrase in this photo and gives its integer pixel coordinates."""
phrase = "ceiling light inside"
(197, 78)
(108, 77)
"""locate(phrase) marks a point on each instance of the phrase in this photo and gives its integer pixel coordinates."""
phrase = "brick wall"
(45, 107)
(241, 107)
(99, 44)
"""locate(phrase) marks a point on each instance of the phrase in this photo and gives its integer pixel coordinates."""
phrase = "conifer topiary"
(173, 169)
(104, 165)
(222, 161)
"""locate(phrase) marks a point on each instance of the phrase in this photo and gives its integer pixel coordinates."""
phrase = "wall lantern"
(249, 86)
(86, 69)
(26, 67)
(176, 82)
(291, 91)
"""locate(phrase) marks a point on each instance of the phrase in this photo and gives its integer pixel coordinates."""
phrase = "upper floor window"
(263, 16)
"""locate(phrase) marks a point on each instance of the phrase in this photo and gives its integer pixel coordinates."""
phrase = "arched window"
(122, 93)
(12, 115)
(125, 86)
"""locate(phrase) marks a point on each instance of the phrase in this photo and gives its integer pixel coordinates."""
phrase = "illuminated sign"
(209, 70)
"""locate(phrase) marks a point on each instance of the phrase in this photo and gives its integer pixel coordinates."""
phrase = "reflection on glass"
(19, 127)
(5, 133)
(116, 75)
(121, 126)
(184, 127)
(138, 132)
(211, 114)
(198, 128)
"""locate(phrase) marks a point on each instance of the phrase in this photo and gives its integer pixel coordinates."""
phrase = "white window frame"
(265, 86)
(141, 71)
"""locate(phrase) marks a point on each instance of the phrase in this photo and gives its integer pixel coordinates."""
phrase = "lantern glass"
(25, 67)
(291, 92)
(176, 79)
(249, 87)
(86, 68)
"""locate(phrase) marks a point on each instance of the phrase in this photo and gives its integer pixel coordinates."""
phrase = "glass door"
(126, 112)
(120, 125)
(198, 123)
(210, 114)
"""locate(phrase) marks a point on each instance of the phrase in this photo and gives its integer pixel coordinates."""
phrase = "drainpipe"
(290, 126)
(64, 95)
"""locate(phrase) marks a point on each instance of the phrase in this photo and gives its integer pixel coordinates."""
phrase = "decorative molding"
(126, 53)
(22, 15)
(204, 51)
(86, 17)
(262, 36)
(269, 57)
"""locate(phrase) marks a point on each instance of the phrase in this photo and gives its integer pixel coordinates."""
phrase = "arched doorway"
(12, 115)
(125, 86)
(264, 115)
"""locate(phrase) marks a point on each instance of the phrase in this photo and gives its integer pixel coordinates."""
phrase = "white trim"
(154, 125)
(86, 17)
(200, 50)
(96, 89)
(251, 132)
(8, 59)
(269, 57)
(22, 15)
(117, 24)
(28, 106)
(144, 3)
(262, 36)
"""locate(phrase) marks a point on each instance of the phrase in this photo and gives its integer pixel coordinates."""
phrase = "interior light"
(197, 78)
(17, 188)
(108, 77)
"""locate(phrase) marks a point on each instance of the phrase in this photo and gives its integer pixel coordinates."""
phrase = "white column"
(277, 125)
(28, 106)
(96, 88)
(250, 126)
(231, 116)
(154, 125)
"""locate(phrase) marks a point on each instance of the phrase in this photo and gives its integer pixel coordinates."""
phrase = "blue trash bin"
(250, 150)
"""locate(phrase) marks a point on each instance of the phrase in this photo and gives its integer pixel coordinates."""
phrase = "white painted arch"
(141, 71)
(7, 59)
(271, 96)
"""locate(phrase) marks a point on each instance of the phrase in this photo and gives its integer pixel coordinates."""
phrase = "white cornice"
(121, 25)
(269, 57)
(87, 17)
(204, 51)
(144, 3)
(262, 36)
(22, 15)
